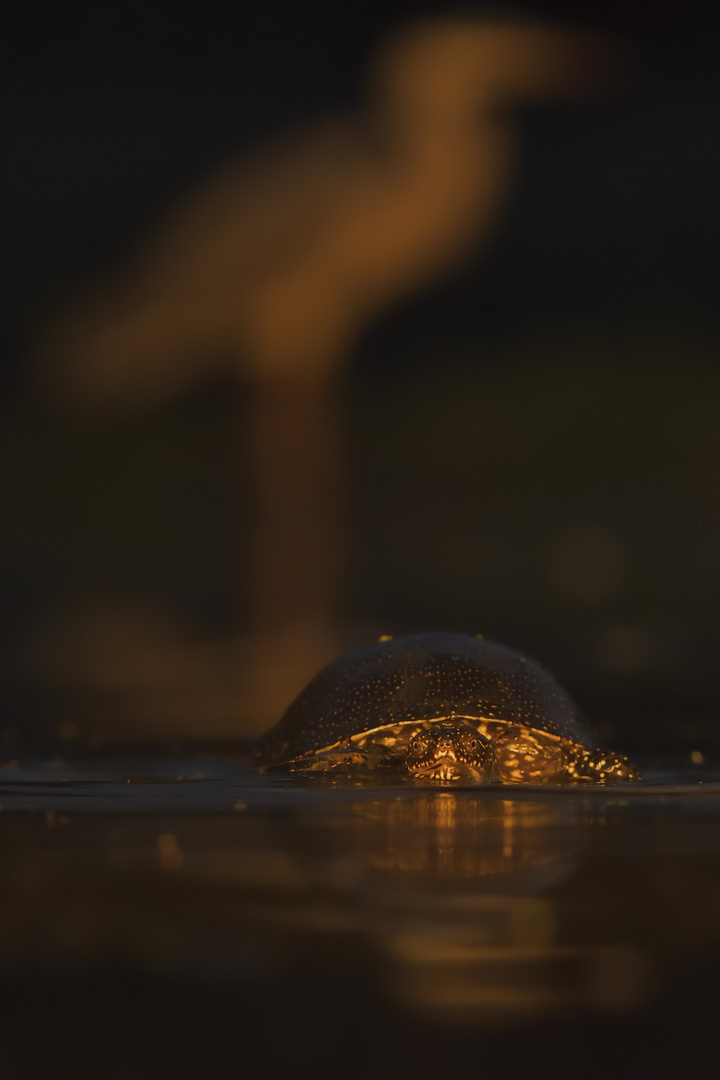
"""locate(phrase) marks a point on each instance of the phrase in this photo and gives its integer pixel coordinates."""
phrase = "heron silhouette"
(272, 268)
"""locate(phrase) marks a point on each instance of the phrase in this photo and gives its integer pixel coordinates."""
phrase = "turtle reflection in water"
(443, 708)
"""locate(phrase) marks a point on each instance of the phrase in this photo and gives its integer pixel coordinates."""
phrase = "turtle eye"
(419, 743)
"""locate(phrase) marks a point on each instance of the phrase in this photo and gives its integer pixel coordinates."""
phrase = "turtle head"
(450, 751)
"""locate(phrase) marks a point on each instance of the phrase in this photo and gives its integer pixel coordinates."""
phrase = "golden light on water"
(460, 922)
(169, 851)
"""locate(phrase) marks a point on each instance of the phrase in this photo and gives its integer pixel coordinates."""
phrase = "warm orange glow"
(273, 266)
(271, 269)
(169, 852)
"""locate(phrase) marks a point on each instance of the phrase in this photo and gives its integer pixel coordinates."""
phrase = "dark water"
(191, 918)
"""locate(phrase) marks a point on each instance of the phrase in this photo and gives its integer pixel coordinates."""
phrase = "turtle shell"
(397, 683)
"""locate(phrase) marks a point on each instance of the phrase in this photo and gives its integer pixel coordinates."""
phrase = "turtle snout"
(445, 748)
(450, 753)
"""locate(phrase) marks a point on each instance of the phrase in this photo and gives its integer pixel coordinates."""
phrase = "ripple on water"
(473, 906)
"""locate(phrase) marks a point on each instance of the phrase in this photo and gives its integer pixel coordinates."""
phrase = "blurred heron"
(272, 268)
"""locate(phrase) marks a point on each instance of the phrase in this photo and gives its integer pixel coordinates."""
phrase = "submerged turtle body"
(440, 707)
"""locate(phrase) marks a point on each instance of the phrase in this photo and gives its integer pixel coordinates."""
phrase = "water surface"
(437, 923)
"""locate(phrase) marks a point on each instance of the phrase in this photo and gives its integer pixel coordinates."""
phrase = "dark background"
(533, 452)
(533, 444)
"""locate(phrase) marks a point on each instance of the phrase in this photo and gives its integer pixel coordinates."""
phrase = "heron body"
(273, 266)
(270, 270)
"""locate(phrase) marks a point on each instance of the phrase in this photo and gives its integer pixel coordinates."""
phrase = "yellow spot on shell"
(385, 637)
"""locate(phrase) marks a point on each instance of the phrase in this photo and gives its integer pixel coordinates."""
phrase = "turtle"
(439, 708)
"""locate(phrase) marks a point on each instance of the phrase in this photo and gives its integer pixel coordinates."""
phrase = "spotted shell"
(419, 679)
